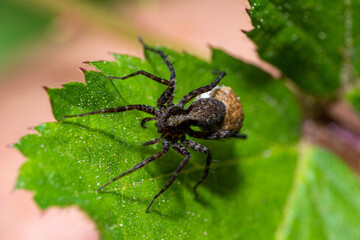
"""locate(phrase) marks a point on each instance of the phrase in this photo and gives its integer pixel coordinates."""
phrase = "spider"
(174, 122)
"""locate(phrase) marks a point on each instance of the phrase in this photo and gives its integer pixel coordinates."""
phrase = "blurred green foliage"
(20, 26)
(311, 42)
(322, 203)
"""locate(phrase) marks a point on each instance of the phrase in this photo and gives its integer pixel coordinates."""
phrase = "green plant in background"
(273, 185)
(19, 26)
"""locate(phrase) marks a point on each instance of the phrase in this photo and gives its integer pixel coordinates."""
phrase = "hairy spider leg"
(182, 150)
(168, 95)
(215, 135)
(144, 73)
(165, 149)
(154, 141)
(183, 101)
(145, 120)
(199, 148)
(144, 108)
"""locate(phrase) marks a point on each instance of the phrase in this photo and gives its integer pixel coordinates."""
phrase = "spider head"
(174, 121)
(160, 125)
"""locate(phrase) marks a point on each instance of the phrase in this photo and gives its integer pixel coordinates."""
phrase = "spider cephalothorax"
(219, 115)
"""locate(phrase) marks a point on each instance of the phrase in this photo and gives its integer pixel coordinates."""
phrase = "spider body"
(174, 122)
(205, 113)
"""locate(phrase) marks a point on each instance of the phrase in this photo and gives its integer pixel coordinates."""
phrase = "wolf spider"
(174, 122)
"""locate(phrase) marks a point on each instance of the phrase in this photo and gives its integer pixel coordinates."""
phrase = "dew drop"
(267, 153)
(322, 35)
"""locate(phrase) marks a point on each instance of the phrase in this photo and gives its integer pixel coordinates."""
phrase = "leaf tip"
(247, 9)
(83, 69)
(86, 62)
(141, 40)
(11, 145)
(45, 88)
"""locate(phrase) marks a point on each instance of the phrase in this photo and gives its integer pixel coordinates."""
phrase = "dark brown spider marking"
(174, 122)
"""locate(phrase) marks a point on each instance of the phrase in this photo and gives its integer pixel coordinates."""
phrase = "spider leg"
(145, 120)
(182, 150)
(144, 108)
(199, 148)
(168, 95)
(165, 149)
(216, 135)
(156, 140)
(144, 73)
(183, 101)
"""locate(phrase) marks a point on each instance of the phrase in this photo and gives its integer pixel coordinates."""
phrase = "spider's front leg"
(144, 73)
(144, 108)
(145, 120)
(194, 93)
(168, 95)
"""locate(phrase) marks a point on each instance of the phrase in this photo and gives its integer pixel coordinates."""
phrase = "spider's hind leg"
(199, 148)
(216, 135)
(182, 150)
(165, 149)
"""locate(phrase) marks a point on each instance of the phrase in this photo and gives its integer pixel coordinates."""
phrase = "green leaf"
(324, 201)
(311, 42)
(68, 160)
(353, 96)
(354, 36)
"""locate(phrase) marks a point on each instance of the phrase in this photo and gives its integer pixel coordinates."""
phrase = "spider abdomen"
(234, 114)
(207, 113)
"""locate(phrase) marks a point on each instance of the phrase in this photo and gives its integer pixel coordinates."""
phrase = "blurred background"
(43, 42)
